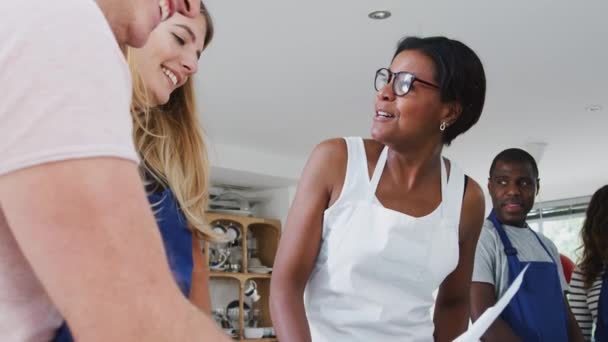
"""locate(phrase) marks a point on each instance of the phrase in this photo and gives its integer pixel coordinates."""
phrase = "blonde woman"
(168, 139)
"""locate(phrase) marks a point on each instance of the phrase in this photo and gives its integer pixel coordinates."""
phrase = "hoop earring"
(442, 126)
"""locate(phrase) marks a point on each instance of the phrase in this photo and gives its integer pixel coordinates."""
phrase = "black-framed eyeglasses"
(402, 81)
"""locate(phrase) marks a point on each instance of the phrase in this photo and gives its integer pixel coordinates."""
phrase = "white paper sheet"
(487, 318)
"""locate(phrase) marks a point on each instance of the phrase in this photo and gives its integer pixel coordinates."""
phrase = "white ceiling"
(283, 75)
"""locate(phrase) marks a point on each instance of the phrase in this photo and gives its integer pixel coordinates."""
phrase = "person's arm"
(574, 331)
(451, 315)
(483, 296)
(300, 242)
(86, 229)
(484, 284)
(199, 291)
(577, 300)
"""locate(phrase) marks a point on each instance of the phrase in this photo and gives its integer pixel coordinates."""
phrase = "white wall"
(276, 203)
(271, 178)
(240, 164)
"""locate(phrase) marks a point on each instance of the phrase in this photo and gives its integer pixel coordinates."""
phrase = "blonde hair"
(170, 143)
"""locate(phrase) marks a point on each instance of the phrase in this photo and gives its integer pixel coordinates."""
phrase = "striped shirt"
(584, 302)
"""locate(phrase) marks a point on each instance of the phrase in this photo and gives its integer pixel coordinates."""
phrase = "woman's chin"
(159, 99)
(377, 133)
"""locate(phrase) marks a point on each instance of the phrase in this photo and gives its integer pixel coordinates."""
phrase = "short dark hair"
(515, 155)
(459, 74)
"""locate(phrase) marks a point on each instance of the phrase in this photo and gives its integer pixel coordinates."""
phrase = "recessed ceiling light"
(594, 108)
(379, 15)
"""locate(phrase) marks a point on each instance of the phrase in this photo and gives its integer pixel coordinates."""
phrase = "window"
(561, 221)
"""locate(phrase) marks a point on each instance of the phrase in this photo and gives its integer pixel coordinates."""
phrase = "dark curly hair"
(595, 237)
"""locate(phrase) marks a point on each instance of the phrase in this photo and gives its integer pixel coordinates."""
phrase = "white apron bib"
(377, 268)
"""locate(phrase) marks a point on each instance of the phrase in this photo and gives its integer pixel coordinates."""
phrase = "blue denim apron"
(538, 311)
(177, 240)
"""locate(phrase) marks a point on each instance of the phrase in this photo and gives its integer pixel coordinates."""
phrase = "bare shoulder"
(325, 167)
(330, 149)
(473, 210)
(329, 157)
(474, 194)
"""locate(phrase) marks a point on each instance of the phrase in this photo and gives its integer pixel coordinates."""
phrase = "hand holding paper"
(487, 318)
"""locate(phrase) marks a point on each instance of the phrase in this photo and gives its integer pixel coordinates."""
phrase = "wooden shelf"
(239, 276)
(258, 275)
(267, 233)
(232, 275)
(244, 220)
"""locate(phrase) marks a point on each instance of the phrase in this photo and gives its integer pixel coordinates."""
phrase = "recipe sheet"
(487, 318)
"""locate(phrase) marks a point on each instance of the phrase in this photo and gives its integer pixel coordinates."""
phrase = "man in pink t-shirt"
(77, 236)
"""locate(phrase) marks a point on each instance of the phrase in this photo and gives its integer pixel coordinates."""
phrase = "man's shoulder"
(65, 73)
(53, 26)
(53, 12)
(488, 230)
(488, 237)
(60, 42)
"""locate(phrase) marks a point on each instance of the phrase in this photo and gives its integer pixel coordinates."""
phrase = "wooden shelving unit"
(267, 233)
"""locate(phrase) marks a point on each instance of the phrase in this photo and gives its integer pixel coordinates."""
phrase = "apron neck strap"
(382, 163)
(450, 206)
(378, 170)
(510, 251)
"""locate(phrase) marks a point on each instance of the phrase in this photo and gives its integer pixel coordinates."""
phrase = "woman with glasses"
(377, 225)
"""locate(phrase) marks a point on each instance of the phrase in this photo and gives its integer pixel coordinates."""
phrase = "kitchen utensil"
(254, 332)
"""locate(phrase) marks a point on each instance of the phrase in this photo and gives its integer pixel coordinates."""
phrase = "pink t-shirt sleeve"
(65, 87)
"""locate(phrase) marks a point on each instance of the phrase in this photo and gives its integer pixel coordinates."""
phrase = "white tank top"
(377, 268)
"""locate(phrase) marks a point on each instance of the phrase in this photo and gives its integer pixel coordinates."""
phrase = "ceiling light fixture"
(593, 108)
(379, 15)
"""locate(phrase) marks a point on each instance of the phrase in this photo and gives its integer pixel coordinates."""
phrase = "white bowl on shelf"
(254, 332)
(259, 269)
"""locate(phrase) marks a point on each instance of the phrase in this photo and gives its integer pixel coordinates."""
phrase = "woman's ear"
(454, 109)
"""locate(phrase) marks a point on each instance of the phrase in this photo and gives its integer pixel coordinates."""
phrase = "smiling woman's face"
(170, 56)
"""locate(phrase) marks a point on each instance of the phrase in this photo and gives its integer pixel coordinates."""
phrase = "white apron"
(377, 268)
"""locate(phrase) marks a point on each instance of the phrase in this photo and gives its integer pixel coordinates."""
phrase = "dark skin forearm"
(500, 331)
(288, 313)
(452, 306)
(453, 318)
(483, 296)
(301, 240)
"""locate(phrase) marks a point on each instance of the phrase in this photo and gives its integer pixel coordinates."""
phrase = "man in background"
(539, 311)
